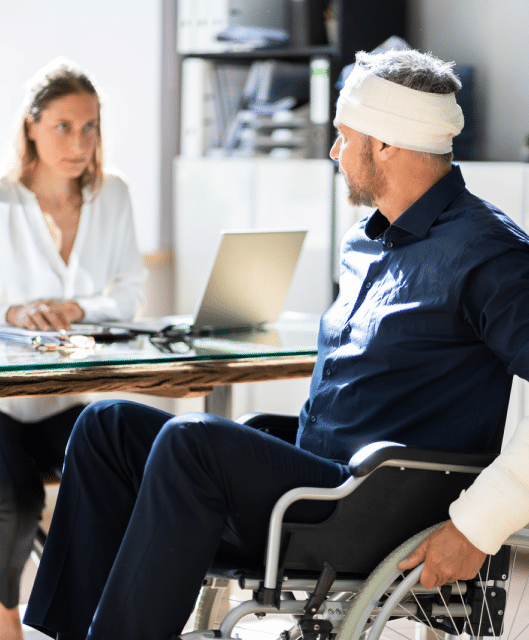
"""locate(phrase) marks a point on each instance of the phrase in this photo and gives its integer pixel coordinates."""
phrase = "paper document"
(99, 332)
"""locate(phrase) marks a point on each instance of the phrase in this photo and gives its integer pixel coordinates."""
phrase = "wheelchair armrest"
(259, 420)
(281, 426)
(376, 454)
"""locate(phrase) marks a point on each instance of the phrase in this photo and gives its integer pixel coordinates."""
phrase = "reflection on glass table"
(294, 334)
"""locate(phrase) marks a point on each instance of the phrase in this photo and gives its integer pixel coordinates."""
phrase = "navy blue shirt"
(430, 324)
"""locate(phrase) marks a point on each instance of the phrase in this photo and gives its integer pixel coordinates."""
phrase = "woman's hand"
(448, 556)
(45, 315)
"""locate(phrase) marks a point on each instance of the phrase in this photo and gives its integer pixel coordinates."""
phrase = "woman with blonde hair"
(68, 254)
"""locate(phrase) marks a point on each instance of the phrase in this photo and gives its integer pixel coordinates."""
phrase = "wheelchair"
(338, 579)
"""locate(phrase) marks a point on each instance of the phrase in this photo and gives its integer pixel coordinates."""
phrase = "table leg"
(220, 401)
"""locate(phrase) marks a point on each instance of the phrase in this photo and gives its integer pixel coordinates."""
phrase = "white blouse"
(104, 275)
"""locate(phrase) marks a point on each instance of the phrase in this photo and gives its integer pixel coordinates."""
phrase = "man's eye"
(90, 126)
(62, 126)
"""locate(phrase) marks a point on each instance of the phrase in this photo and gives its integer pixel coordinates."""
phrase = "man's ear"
(383, 150)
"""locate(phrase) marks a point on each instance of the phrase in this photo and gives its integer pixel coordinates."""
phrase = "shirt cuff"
(98, 308)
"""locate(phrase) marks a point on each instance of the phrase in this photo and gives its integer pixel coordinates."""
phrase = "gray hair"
(415, 70)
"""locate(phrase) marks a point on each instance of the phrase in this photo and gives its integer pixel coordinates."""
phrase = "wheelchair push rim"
(375, 614)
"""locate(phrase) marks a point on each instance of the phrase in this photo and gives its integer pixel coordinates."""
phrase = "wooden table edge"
(168, 379)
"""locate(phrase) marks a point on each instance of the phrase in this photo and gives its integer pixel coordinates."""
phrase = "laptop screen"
(249, 280)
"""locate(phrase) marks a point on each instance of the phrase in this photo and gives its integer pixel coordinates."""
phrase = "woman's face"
(66, 134)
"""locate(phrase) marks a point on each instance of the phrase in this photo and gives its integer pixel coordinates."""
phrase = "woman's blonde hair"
(57, 79)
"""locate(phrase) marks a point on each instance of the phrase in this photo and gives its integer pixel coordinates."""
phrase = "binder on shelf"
(307, 23)
(198, 95)
(320, 91)
(320, 88)
(185, 33)
(230, 81)
(212, 17)
(198, 23)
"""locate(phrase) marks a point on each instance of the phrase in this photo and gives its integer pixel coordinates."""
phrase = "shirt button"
(328, 372)
(313, 418)
(347, 329)
(368, 285)
(389, 245)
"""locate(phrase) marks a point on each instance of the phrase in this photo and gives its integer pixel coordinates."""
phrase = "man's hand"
(447, 555)
(45, 315)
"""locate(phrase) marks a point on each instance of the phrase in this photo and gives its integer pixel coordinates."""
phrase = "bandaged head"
(397, 115)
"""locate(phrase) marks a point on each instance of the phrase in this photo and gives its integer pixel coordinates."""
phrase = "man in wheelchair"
(419, 349)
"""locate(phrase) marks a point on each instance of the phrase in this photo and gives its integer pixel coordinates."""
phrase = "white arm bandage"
(497, 504)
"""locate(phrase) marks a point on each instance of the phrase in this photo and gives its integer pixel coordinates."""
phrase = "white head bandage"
(398, 115)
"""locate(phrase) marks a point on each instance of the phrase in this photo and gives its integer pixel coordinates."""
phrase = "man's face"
(353, 152)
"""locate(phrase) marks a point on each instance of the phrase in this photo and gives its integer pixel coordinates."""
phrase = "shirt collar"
(418, 218)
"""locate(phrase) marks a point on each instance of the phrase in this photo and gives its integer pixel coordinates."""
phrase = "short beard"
(374, 183)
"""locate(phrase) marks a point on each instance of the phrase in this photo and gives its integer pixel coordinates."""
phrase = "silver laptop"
(247, 284)
(249, 280)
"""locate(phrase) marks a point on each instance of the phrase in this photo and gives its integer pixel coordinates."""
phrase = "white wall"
(492, 36)
(118, 42)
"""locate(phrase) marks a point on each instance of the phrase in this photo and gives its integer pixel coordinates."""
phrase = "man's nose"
(335, 149)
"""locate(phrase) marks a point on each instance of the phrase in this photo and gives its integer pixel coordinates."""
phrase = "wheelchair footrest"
(311, 627)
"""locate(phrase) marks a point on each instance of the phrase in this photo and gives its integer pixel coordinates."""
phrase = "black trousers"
(26, 450)
(147, 501)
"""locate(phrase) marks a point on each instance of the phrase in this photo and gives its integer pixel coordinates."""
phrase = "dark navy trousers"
(147, 502)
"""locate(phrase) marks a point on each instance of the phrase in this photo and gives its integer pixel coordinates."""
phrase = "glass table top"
(294, 334)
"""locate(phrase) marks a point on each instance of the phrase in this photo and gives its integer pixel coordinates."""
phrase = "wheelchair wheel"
(215, 601)
(392, 606)
(210, 604)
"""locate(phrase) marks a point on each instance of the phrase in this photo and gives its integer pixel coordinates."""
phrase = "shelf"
(361, 25)
(259, 54)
